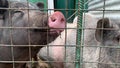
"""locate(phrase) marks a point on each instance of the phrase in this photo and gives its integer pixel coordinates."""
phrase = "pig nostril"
(53, 19)
(62, 20)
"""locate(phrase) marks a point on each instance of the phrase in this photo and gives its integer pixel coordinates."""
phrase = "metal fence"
(100, 49)
(90, 41)
(109, 5)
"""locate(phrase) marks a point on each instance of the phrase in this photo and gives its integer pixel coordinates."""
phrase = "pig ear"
(40, 5)
(100, 29)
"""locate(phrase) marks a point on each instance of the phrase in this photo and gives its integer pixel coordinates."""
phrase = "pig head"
(37, 20)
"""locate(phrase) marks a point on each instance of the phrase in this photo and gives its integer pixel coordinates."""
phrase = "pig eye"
(17, 14)
(18, 11)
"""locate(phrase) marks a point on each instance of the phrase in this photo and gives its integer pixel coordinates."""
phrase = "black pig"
(16, 31)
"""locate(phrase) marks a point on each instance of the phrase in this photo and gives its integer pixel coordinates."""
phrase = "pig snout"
(56, 22)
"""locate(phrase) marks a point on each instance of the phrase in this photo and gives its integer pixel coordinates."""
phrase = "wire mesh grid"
(91, 40)
(100, 48)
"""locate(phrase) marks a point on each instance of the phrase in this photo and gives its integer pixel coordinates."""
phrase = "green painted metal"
(79, 33)
(86, 5)
(76, 4)
(66, 6)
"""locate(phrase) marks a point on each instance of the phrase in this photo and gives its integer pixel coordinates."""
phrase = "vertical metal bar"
(29, 36)
(79, 32)
(103, 16)
(11, 36)
(66, 14)
(48, 46)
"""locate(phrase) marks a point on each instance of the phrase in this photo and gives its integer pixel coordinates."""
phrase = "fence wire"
(89, 42)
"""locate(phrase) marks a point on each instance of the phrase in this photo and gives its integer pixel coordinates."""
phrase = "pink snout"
(57, 22)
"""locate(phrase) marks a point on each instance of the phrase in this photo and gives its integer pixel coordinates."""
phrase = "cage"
(32, 36)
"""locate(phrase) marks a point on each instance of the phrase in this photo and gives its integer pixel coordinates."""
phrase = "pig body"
(17, 32)
(68, 38)
(56, 49)
(96, 37)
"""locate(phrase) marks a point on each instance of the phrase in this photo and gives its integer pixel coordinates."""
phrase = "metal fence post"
(79, 33)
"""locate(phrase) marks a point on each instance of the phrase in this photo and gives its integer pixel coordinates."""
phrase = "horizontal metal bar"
(63, 9)
(35, 61)
(84, 28)
(56, 61)
(101, 46)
